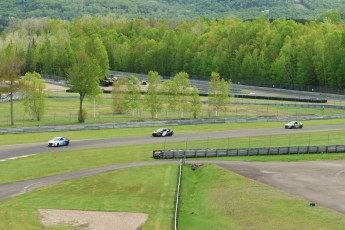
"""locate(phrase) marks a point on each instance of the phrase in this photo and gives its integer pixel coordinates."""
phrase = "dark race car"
(162, 132)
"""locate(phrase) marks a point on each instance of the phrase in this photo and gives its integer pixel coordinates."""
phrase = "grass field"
(148, 190)
(63, 110)
(210, 194)
(212, 198)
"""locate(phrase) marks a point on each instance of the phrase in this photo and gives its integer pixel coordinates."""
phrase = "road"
(15, 151)
(320, 182)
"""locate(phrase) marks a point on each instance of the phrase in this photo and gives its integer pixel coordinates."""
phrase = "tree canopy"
(188, 9)
(272, 52)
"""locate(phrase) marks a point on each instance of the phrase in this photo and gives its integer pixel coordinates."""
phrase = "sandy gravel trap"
(92, 220)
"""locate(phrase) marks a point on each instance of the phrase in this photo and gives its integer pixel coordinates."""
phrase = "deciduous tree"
(132, 95)
(182, 84)
(153, 97)
(195, 102)
(218, 93)
(33, 95)
(118, 96)
(11, 61)
(84, 76)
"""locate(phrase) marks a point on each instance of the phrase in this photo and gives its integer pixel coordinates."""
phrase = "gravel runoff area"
(91, 220)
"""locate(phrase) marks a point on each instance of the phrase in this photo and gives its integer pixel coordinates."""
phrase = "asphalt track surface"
(320, 182)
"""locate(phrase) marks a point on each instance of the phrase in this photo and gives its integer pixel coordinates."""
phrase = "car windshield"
(56, 138)
(160, 130)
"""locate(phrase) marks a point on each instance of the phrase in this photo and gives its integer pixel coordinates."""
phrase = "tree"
(195, 102)
(11, 61)
(33, 95)
(153, 97)
(84, 76)
(170, 95)
(91, 64)
(118, 95)
(132, 94)
(218, 93)
(182, 83)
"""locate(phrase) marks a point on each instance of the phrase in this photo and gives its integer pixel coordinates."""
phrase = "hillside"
(186, 9)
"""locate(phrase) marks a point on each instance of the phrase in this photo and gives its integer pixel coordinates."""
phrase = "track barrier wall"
(200, 153)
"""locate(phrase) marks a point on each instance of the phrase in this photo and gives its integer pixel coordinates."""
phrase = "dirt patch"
(52, 87)
(92, 220)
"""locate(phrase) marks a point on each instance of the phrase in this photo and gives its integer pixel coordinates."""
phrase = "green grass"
(48, 164)
(148, 190)
(63, 111)
(214, 198)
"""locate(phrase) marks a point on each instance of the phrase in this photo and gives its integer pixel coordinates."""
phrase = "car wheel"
(57, 145)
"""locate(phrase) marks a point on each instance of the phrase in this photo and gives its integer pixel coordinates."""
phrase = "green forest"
(278, 51)
(11, 10)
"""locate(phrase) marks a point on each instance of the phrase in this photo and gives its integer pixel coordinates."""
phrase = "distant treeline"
(278, 51)
(171, 9)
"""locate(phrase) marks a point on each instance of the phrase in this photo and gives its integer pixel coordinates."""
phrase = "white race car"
(58, 141)
(294, 125)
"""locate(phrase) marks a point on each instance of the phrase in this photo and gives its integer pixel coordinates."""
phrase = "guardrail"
(199, 153)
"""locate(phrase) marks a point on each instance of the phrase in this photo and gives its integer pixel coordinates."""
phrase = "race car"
(162, 132)
(58, 141)
(294, 125)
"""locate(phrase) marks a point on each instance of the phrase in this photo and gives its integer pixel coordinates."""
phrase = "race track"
(320, 182)
(15, 151)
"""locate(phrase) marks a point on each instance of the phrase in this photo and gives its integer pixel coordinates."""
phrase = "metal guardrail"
(200, 153)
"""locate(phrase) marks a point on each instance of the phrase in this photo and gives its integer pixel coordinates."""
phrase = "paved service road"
(13, 151)
(320, 182)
